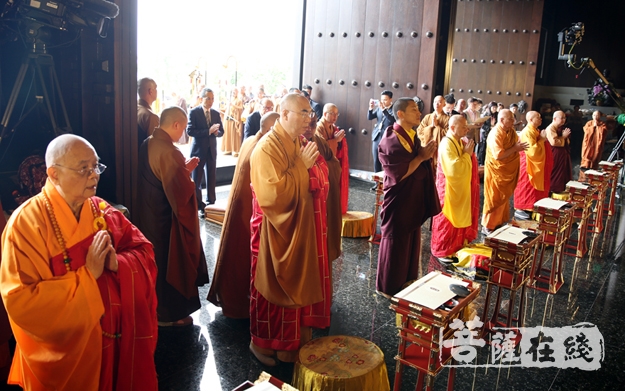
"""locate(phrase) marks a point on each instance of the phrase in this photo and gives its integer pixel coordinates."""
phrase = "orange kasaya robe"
(339, 149)
(500, 176)
(427, 131)
(285, 267)
(5, 326)
(231, 142)
(592, 146)
(59, 317)
(535, 166)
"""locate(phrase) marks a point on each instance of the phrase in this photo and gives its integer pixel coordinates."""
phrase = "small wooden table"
(601, 181)
(580, 196)
(613, 169)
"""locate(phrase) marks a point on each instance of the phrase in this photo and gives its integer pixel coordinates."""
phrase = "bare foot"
(265, 360)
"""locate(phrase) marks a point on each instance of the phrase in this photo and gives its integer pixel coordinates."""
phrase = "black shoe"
(374, 188)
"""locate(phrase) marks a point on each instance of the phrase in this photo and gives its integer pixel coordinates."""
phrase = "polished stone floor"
(213, 354)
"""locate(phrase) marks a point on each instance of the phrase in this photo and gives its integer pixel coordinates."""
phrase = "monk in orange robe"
(501, 171)
(285, 267)
(458, 186)
(434, 127)
(77, 279)
(535, 166)
(595, 132)
(335, 137)
(231, 280)
(5, 326)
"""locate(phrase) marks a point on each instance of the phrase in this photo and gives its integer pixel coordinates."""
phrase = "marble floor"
(213, 353)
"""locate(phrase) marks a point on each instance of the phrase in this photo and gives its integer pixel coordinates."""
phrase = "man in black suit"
(205, 126)
(316, 106)
(252, 123)
(384, 114)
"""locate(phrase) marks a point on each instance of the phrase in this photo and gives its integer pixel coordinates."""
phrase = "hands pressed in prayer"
(339, 135)
(191, 163)
(309, 154)
(469, 146)
(521, 146)
(427, 151)
(98, 254)
(213, 129)
(566, 133)
(435, 119)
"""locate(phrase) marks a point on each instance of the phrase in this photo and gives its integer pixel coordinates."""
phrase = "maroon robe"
(562, 171)
(407, 205)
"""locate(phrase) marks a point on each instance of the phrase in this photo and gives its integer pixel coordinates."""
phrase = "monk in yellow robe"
(434, 127)
(285, 266)
(229, 289)
(501, 171)
(77, 279)
(595, 132)
(534, 167)
(458, 186)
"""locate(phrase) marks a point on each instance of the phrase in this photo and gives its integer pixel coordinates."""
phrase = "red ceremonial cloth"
(447, 239)
(525, 195)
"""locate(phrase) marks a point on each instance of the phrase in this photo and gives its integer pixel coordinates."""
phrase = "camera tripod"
(47, 94)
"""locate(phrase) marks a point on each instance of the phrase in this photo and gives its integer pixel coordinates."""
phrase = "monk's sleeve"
(425, 130)
(332, 142)
(274, 183)
(535, 159)
(54, 310)
(554, 139)
(588, 127)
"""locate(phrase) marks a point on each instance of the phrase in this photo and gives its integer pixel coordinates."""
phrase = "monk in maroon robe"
(558, 137)
(409, 198)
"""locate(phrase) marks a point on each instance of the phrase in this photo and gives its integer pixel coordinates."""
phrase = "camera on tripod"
(32, 15)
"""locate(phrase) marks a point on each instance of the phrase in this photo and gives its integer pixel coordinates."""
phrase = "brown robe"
(147, 121)
(562, 171)
(231, 280)
(592, 146)
(168, 218)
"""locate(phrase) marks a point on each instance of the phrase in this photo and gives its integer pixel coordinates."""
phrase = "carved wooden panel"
(493, 50)
(355, 49)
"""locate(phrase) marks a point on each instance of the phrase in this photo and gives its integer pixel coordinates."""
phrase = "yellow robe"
(457, 167)
(534, 156)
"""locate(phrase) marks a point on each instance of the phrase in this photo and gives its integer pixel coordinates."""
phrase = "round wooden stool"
(340, 362)
(357, 224)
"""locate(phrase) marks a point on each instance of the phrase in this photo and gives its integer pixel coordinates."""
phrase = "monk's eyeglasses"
(303, 114)
(98, 169)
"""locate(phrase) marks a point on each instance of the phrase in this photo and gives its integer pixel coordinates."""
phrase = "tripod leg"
(46, 95)
(616, 148)
(57, 86)
(13, 98)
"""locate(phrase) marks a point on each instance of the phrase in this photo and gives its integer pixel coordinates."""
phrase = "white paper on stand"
(264, 386)
(430, 291)
(594, 172)
(577, 185)
(550, 203)
(509, 234)
(607, 163)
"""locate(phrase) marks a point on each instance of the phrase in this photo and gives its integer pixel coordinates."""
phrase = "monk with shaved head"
(285, 268)
(535, 168)
(77, 279)
(559, 138)
(501, 171)
(458, 186)
(166, 215)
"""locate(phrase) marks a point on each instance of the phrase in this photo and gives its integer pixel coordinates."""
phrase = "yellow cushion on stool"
(357, 224)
